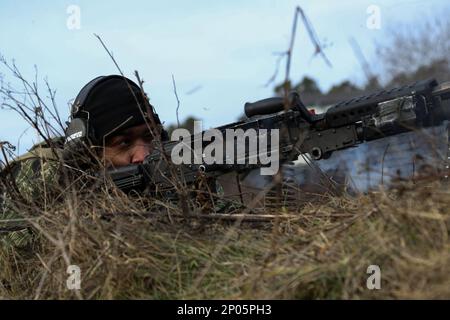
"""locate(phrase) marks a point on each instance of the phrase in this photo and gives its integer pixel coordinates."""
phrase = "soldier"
(112, 123)
(112, 117)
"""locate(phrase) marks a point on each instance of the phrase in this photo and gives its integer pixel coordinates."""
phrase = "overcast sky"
(221, 52)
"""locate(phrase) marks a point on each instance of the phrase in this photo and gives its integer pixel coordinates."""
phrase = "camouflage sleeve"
(25, 187)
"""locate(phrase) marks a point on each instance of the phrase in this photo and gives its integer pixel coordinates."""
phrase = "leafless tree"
(412, 52)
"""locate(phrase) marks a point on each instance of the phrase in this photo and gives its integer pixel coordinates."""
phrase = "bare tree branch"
(288, 53)
(178, 100)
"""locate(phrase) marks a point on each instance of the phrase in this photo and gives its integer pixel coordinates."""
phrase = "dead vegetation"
(319, 252)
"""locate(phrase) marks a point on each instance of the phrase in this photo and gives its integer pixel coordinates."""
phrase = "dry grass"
(321, 253)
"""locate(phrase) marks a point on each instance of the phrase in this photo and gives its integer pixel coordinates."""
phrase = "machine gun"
(344, 125)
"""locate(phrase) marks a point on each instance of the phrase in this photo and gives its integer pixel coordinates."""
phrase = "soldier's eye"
(124, 143)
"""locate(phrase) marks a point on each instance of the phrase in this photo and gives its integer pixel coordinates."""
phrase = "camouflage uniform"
(24, 185)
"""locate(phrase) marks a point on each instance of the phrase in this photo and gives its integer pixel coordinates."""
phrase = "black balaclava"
(114, 105)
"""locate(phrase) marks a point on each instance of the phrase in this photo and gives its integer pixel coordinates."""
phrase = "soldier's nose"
(139, 153)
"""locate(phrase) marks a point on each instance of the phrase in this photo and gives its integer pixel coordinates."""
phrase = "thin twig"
(178, 100)
(288, 53)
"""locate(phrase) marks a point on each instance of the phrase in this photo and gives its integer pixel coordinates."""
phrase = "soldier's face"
(128, 147)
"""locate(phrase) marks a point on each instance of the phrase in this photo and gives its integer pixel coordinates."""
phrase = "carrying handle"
(274, 105)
